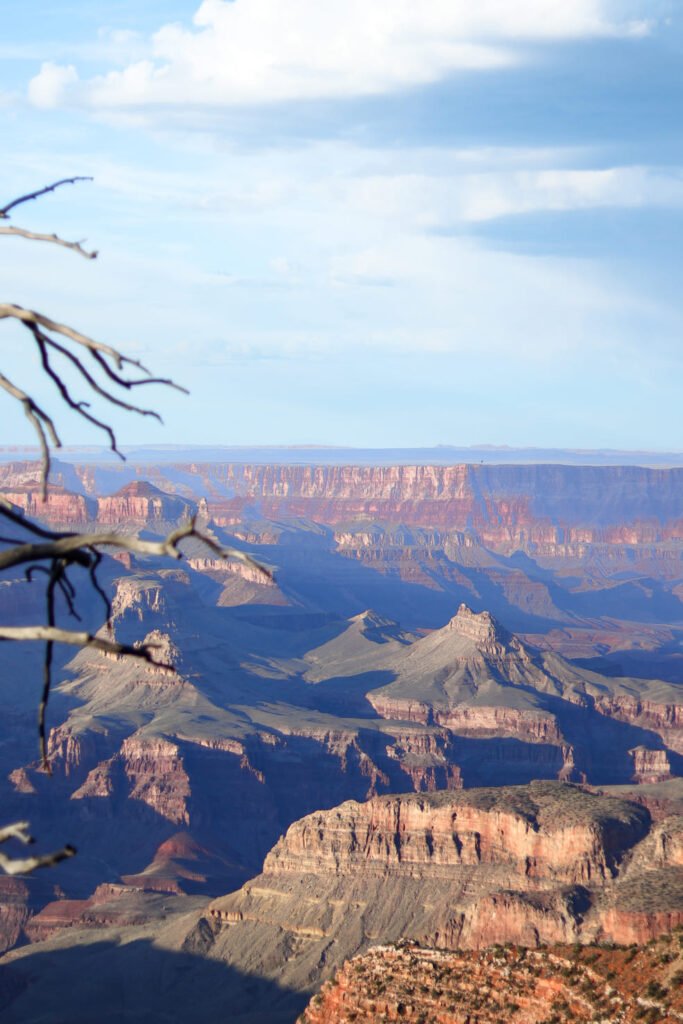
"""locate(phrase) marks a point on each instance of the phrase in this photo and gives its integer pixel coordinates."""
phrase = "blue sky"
(375, 223)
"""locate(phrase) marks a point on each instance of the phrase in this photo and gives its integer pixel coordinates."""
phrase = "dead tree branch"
(52, 634)
(24, 865)
(107, 373)
(4, 212)
(108, 360)
(40, 421)
(36, 236)
(75, 547)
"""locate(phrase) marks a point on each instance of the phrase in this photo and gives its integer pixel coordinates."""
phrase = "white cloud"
(462, 198)
(50, 87)
(281, 254)
(242, 52)
(421, 188)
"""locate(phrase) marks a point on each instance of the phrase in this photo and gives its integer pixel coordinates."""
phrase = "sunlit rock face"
(546, 863)
(140, 502)
(59, 506)
(561, 983)
(548, 507)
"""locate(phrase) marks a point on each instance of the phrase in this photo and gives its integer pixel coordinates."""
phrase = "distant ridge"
(439, 455)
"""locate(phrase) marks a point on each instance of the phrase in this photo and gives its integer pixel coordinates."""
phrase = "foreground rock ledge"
(528, 987)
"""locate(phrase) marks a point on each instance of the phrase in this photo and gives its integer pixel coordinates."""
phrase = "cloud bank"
(249, 52)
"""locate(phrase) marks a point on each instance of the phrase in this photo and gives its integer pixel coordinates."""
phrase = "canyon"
(427, 631)
(584, 559)
(578, 886)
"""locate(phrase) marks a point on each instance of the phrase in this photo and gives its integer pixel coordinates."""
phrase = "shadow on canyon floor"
(664, 663)
(135, 982)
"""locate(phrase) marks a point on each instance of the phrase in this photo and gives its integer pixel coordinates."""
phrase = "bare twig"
(56, 572)
(36, 236)
(97, 586)
(75, 547)
(30, 316)
(4, 212)
(78, 407)
(104, 356)
(41, 423)
(17, 830)
(80, 638)
(24, 865)
(91, 381)
(14, 515)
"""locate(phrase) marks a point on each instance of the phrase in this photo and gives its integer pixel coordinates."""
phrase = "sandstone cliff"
(60, 507)
(506, 506)
(532, 865)
(141, 503)
(580, 548)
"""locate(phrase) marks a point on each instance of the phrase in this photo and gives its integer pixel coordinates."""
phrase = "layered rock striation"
(530, 865)
(511, 506)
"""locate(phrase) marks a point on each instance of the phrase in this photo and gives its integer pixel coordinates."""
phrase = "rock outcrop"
(561, 984)
(552, 509)
(60, 507)
(478, 681)
(109, 905)
(531, 865)
(14, 910)
(141, 503)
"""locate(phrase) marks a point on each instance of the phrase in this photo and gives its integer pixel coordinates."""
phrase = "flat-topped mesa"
(59, 507)
(538, 835)
(480, 627)
(531, 865)
(142, 502)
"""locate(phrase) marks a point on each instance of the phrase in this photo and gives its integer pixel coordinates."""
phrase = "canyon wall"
(567, 506)
(530, 865)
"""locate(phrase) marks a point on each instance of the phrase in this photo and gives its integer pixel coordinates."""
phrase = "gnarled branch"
(75, 547)
(24, 865)
(4, 212)
(30, 316)
(37, 236)
(80, 638)
(109, 360)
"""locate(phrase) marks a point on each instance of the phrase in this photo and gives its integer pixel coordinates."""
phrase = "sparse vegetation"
(559, 985)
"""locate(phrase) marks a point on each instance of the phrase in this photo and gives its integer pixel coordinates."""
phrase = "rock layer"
(531, 865)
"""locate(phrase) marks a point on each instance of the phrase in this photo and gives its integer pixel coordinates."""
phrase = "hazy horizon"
(442, 454)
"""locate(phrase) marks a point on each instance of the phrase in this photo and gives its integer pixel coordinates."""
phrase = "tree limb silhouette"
(106, 373)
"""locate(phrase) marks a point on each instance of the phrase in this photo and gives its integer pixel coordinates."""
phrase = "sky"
(376, 223)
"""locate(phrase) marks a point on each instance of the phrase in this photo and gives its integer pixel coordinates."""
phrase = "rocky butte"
(537, 865)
